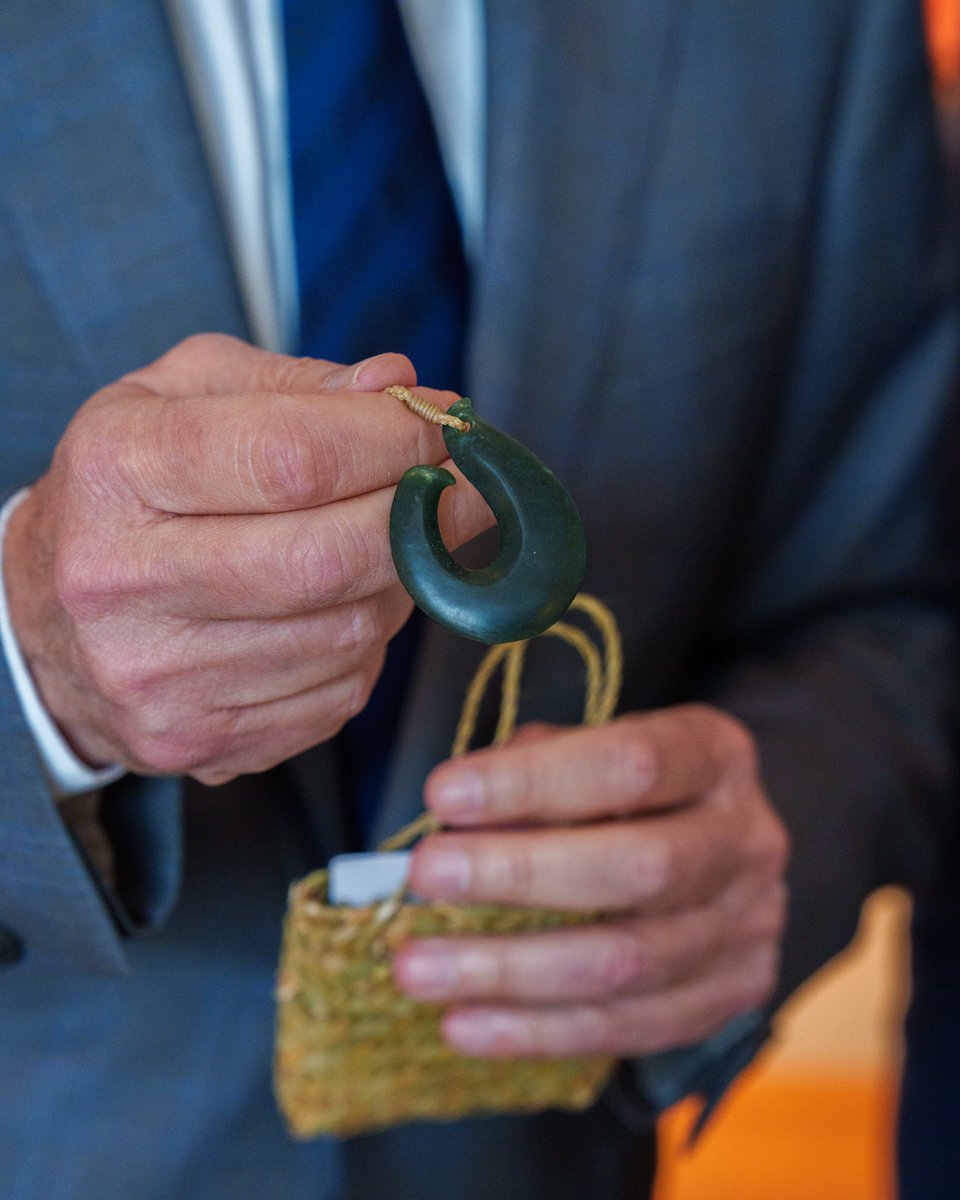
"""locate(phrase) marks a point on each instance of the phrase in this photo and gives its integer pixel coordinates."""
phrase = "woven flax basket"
(353, 1053)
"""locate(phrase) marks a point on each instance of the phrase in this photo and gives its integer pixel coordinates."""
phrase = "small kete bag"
(353, 1053)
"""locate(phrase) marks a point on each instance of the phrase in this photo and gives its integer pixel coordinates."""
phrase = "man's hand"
(202, 582)
(659, 820)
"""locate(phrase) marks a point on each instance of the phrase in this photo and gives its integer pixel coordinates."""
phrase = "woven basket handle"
(604, 680)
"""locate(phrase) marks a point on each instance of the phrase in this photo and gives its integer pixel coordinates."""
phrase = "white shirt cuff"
(67, 774)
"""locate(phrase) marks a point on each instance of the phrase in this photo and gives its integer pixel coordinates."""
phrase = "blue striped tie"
(379, 252)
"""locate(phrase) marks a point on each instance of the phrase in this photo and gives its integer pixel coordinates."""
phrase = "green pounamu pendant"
(540, 564)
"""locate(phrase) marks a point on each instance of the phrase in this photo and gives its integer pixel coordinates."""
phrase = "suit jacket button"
(11, 948)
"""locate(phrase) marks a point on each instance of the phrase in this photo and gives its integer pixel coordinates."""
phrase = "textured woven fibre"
(355, 1054)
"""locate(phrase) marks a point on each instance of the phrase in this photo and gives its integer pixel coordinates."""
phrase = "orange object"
(943, 35)
(788, 1137)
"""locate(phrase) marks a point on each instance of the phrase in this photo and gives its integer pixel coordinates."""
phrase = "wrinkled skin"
(201, 583)
(658, 819)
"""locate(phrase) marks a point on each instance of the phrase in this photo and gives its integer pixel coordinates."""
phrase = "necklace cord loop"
(604, 670)
(426, 409)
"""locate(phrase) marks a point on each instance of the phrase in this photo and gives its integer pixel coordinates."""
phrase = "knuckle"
(772, 847)
(131, 669)
(97, 576)
(82, 581)
(731, 738)
(282, 373)
(193, 355)
(738, 744)
(322, 566)
(519, 872)
(214, 777)
(358, 555)
(163, 730)
(358, 630)
(361, 686)
(95, 450)
(183, 360)
(123, 679)
(175, 749)
(648, 868)
(202, 344)
(635, 758)
(100, 577)
(286, 462)
(312, 566)
(357, 689)
(618, 962)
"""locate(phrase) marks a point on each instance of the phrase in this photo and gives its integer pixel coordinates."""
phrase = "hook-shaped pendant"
(542, 555)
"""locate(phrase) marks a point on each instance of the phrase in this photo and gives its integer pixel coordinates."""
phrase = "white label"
(356, 880)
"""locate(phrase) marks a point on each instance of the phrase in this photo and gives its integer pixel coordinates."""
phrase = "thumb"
(215, 364)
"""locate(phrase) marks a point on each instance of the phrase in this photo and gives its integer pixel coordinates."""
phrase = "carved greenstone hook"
(542, 555)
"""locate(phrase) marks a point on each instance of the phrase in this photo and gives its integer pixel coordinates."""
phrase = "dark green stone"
(542, 557)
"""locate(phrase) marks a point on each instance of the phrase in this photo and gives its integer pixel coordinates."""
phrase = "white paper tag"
(355, 880)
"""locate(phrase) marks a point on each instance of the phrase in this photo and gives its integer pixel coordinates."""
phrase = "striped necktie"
(379, 253)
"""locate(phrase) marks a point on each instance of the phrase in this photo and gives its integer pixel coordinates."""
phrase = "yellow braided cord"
(509, 694)
(418, 828)
(612, 678)
(427, 410)
(591, 659)
(604, 681)
(474, 697)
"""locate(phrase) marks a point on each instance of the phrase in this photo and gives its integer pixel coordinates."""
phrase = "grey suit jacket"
(716, 298)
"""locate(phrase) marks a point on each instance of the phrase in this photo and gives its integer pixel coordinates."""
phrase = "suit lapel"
(578, 100)
(109, 193)
(579, 96)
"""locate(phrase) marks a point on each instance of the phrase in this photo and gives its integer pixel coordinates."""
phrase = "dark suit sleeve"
(54, 905)
(835, 642)
(57, 911)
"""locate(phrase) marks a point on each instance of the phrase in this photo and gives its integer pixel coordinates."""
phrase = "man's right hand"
(202, 583)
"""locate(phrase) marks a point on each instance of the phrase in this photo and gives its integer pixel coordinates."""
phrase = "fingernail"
(428, 974)
(441, 874)
(341, 378)
(484, 1032)
(367, 372)
(347, 377)
(457, 795)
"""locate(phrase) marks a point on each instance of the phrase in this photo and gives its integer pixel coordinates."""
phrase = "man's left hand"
(657, 820)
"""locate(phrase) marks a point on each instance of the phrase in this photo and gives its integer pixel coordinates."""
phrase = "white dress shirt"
(232, 55)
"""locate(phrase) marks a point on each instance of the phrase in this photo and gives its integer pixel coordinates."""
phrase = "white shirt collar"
(232, 55)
